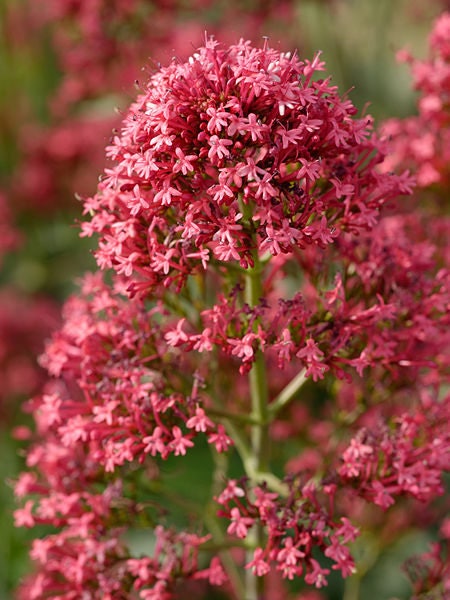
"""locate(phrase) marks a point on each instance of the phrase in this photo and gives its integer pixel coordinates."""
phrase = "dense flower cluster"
(236, 143)
(66, 65)
(251, 263)
(403, 456)
(116, 350)
(407, 458)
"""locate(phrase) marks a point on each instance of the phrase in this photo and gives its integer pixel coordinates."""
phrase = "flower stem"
(258, 462)
(258, 380)
(352, 588)
(230, 416)
(219, 538)
(287, 394)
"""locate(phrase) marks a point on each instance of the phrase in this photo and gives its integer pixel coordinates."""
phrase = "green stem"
(366, 550)
(240, 442)
(273, 482)
(352, 587)
(224, 552)
(258, 380)
(260, 430)
(223, 546)
(235, 417)
(287, 394)
(258, 462)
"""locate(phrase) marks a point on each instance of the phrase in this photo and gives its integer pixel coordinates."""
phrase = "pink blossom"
(220, 439)
(341, 557)
(178, 336)
(421, 142)
(199, 422)
(138, 202)
(155, 443)
(354, 458)
(239, 524)
(288, 557)
(23, 517)
(179, 442)
(232, 490)
(317, 576)
(259, 566)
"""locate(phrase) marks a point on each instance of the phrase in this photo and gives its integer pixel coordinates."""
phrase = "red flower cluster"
(407, 457)
(295, 526)
(238, 142)
(251, 265)
(116, 353)
(423, 141)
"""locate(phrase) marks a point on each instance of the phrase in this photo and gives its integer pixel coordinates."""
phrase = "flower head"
(235, 145)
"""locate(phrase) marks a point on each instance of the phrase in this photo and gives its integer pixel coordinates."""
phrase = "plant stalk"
(258, 462)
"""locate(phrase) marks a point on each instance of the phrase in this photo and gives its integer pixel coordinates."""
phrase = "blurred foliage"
(13, 542)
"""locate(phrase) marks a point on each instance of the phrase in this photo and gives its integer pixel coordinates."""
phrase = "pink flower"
(382, 495)
(421, 142)
(155, 443)
(220, 439)
(218, 147)
(184, 163)
(23, 517)
(180, 443)
(243, 186)
(199, 422)
(239, 525)
(317, 576)
(288, 559)
(232, 490)
(137, 203)
(178, 336)
(243, 347)
(341, 556)
(355, 458)
(259, 566)
(214, 573)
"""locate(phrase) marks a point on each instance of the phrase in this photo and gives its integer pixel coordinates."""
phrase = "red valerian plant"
(258, 303)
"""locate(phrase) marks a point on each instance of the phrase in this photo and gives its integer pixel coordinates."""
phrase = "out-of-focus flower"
(25, 323)
(422, 142)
